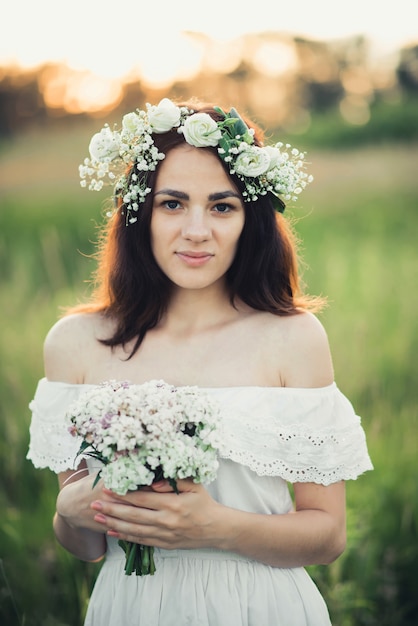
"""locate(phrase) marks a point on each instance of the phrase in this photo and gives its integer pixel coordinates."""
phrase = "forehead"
(187, 166)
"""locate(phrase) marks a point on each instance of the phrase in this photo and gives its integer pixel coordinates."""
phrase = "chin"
(196, 283)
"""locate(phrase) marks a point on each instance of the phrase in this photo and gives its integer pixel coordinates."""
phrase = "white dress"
(273, 436)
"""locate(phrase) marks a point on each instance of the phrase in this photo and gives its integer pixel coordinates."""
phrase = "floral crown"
(276, 169)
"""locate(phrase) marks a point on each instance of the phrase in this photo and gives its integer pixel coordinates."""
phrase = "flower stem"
(138, 558)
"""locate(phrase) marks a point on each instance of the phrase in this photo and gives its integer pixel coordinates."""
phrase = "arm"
(315, 532)
(73, 522)
(312, 534)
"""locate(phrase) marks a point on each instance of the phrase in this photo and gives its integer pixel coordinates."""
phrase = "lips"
(194, 259)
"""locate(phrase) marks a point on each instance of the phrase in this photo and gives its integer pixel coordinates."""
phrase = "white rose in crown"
(164, 116)
(132, 124)
(252, 162)
(201, 131)
(276, 157)
(104, 146)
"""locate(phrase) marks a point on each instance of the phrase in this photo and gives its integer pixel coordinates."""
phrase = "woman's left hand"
(159, 517)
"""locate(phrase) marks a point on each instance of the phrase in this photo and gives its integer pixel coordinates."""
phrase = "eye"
(223, 207)
(171, 205)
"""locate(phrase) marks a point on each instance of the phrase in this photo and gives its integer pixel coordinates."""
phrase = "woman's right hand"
(74, 524)
(75, 498)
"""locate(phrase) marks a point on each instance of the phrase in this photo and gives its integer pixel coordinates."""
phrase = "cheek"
(163, 234)
(234, 242)
(238, 232)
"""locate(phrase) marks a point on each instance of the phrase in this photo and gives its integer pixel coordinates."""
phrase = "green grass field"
(359, 224)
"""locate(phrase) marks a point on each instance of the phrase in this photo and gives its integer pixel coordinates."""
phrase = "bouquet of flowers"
(143, 434)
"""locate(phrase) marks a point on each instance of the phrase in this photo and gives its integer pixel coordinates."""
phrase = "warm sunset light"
(78, 91)
(182, 62)
(275, 58)
(98, 47)
(111, 39)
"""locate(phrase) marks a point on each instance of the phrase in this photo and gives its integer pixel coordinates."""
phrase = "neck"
(192, 311)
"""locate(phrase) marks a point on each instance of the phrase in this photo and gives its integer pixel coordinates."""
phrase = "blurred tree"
(282, 81)
(407, 70)
(20, 102)
(319, 75)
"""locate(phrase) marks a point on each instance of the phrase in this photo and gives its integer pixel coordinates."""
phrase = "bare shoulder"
(304, 356)
(307, 327)
(68, 345)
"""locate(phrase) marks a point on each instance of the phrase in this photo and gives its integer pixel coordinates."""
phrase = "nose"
(196, 225)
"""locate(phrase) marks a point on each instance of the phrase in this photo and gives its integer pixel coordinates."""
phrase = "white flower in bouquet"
(145, 433)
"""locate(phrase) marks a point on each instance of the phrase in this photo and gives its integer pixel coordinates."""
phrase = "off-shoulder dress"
(272, 436)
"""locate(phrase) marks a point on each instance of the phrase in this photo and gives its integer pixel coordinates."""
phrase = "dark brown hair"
(132, 290)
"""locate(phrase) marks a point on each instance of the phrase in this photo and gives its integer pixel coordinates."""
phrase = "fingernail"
(100, 518)
(96, 505)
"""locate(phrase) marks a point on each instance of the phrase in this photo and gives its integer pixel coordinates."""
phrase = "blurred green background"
(358, 223)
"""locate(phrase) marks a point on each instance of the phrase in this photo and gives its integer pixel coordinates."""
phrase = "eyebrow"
(220, 195)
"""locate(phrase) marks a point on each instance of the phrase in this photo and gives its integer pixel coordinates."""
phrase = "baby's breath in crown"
(278, 169)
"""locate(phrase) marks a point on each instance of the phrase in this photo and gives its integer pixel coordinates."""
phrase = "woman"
(198, 285)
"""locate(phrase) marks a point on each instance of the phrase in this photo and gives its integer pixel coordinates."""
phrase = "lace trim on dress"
(299, 456)
(51, 445)
(304, 437)
(299, 435)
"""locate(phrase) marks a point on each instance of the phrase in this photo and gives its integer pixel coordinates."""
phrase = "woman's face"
(197, 218)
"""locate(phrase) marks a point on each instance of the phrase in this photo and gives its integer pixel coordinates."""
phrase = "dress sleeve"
(51, 445)
(301, 435)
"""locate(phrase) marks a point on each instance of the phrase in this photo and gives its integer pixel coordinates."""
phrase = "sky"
(110, 38)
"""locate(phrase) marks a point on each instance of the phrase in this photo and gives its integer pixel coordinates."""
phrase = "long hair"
(132, 290)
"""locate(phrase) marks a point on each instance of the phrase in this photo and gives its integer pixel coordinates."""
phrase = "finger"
(135, 506)
(187, 484)
(139, 531)
(127, 497)
(162, 486)
(119, 517)
(112, 494)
